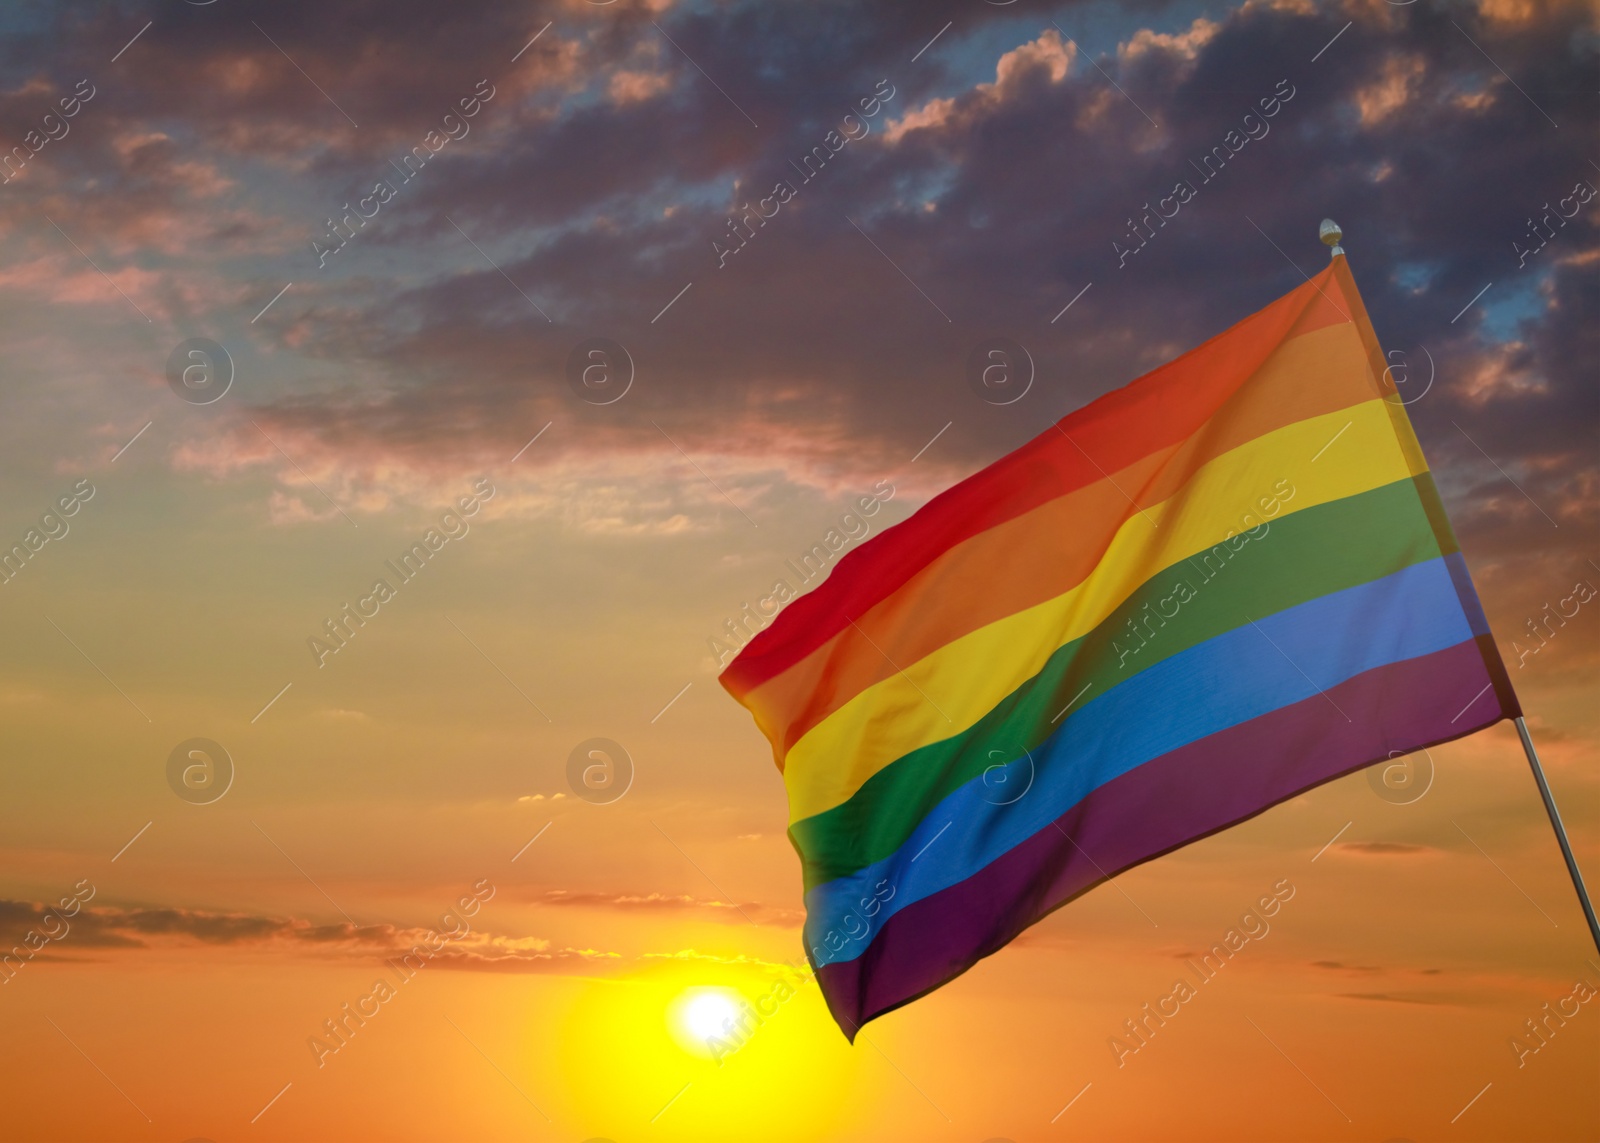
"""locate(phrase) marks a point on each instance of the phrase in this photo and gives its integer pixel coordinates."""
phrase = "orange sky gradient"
(428, 759)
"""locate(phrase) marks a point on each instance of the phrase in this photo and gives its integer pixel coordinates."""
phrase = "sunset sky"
(407, 346)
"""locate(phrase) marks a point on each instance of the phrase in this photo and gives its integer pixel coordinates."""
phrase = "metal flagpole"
(1561, 831)
(1331, 235)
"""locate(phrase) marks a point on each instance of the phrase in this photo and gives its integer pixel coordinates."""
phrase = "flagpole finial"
(1330, 234)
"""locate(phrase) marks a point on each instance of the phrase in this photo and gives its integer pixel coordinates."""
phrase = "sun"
(711, 1013)
(650, 1030)
(701, 1018)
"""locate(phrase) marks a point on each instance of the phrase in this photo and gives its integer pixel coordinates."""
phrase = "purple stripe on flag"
(1170, 801)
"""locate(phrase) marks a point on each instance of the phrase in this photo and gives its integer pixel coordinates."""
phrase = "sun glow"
(651, 1031)
(702, 1017)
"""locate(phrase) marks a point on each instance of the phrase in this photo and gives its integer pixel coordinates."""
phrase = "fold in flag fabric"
(1206, 592)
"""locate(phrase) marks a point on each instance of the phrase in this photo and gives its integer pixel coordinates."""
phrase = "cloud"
(673, 903)
(1184, 45)
(108, 927)
(1384, 848)
(831, 348)
(627, 87)
(128, 928)
(1339, 966)
(1390, 92)
(1402, 998)
(798, 967)
(99, 930)
(1047, 59)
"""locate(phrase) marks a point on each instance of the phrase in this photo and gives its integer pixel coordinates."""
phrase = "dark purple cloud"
(996, 184)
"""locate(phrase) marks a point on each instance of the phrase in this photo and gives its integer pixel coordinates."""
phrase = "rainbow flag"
(1223, 584)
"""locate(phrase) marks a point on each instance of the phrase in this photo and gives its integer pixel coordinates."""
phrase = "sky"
(291, 292)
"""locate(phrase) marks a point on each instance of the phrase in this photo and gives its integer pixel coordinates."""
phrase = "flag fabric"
(1208, 591)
